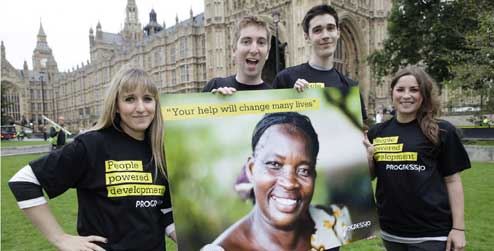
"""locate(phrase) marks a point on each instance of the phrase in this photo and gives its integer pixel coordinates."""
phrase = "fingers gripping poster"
(268, 170)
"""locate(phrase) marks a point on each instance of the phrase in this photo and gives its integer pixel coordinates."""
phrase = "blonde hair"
(126, 80)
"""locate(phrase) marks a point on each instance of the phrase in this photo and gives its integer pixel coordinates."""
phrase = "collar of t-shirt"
(243, 87)
(319, 68)
(404, 124)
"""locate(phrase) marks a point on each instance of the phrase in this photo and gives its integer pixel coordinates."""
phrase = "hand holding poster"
(302, 168)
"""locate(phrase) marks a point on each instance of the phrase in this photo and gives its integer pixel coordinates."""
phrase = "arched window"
(339, 57)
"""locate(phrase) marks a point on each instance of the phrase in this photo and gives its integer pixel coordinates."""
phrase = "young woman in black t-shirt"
(417, 159)
(118, 170)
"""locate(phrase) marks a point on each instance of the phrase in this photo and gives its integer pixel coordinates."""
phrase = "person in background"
(57, 136)
(379, 116)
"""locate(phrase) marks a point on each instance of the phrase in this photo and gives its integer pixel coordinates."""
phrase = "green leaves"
(426, 33)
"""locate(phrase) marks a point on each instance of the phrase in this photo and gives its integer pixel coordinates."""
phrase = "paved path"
(22, 150)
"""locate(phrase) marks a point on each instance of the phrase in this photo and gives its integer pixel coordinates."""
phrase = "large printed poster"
(268, 170)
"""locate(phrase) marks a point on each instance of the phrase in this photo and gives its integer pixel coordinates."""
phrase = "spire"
(3, 50)
(153, 26)
(42, 55)
(99, 33)
(42, 44)
(176, 19)
(41, 32)
(152, 16)
(191, 13)
(91, 37)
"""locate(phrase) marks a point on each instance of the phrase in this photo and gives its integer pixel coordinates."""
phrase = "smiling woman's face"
(137, 109)
(282, 171)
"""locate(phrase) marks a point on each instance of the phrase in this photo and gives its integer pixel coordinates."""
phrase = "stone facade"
(184, 56)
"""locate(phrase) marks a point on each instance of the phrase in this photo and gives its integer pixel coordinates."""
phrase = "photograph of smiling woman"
(282, 170)
(206, 153)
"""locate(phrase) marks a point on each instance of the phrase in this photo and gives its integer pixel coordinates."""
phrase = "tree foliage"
(473, 68)
(426, 32)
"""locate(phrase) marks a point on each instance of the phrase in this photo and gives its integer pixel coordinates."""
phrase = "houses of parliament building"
(183, 57)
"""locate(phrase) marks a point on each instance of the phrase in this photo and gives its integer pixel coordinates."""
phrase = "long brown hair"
(429, 110)
(125, 80)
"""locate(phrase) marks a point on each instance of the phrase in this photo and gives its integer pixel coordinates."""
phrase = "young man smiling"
(250, 51)
(321, 31)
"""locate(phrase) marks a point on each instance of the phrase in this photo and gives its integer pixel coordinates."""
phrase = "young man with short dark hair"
(322, 31)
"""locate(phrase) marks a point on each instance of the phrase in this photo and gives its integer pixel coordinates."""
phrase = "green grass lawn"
(14, 143)
(20, 235)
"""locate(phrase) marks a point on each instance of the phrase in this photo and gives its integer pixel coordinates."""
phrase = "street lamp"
(276, 20)
(43, 66)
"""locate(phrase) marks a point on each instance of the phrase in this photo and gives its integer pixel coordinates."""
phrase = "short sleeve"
(61, 169)
(166, 207)
(210, 86)
(371, 133)
(453, 157)
(282, 81)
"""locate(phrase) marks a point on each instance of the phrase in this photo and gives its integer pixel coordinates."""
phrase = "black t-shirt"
(120, 196)
(330, 78)
(230, 81)
(411, 194)
(316, 78)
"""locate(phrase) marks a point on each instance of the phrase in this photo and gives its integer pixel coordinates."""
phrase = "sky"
(66, 24)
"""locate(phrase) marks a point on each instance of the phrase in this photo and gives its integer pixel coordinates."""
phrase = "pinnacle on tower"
(132, 27)
(3, 50)
(41, 32)
(152, 16)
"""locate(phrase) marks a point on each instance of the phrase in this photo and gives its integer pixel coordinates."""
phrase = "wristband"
(458, 229)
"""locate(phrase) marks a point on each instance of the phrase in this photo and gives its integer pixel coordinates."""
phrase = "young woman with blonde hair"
(118, 169)
(417, 159)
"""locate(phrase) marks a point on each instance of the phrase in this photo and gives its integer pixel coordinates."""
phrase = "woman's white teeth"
(287, 202)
